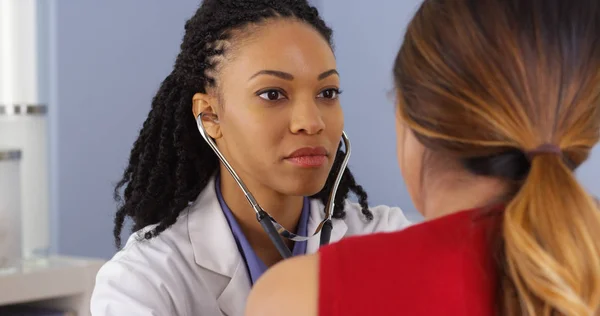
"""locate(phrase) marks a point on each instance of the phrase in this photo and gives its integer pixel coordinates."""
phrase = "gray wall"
(111, 55)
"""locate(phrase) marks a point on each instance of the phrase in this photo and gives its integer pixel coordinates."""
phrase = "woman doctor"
(265, 73)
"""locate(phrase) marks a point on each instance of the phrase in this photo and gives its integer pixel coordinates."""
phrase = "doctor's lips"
(308, 157)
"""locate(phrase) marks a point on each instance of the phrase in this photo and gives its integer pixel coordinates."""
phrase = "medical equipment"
(269, 224)
(11, 242)
(25, 126)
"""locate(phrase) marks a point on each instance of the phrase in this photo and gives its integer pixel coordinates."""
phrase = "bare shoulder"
(288, 288)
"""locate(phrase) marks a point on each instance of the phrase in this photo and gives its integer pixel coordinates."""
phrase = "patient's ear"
(203, 103)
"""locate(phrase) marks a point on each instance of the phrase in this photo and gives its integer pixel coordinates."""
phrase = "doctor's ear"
(203, 103)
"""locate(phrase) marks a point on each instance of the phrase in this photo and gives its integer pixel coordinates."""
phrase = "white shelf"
(58, 282)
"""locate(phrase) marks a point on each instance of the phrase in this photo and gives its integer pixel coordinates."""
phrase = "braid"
(170, 164)
(347, 184)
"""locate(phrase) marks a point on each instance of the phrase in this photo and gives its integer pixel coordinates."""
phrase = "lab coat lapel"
(215, 249)
(233, 299)
(317, 214)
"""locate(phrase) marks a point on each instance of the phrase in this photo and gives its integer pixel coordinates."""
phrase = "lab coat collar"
(232, 300)
(212, 241)
(214, 245)
(215, 248)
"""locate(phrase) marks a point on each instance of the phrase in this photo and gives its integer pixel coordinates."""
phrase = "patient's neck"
(447, 197)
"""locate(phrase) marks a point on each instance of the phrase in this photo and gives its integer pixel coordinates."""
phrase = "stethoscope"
(268, 223)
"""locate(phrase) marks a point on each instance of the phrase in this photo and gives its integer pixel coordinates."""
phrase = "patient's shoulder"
(447, 237)
(446, 260)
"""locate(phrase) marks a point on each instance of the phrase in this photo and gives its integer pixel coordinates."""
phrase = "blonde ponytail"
(552, 244)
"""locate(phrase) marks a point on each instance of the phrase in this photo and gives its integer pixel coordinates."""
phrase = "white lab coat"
(194, 268)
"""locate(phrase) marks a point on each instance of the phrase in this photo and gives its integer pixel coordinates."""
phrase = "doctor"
(266, 72)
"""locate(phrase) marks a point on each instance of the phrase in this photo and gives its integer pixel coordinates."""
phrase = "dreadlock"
(170, 164)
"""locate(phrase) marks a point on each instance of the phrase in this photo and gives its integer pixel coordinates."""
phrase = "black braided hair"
(170, 164)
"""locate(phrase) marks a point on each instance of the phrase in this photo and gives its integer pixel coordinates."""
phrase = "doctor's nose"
(308, 119)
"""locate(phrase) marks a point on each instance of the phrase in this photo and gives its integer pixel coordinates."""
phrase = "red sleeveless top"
(441, 267)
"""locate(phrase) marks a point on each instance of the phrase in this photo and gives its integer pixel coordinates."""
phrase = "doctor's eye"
(271, 95)
(331, 93)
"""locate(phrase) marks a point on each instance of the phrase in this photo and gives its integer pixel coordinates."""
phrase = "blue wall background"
(108, 58)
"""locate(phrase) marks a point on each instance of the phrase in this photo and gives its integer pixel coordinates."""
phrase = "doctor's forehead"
(285, 45)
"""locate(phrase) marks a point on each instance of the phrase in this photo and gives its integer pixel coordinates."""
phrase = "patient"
(498, 104)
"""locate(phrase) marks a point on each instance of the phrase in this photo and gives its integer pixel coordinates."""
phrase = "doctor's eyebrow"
(290, 77)
(328, 73)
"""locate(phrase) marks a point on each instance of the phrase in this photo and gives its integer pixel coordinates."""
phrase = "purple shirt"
(255, 265)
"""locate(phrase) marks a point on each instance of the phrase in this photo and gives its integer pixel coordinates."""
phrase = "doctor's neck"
(285, 209)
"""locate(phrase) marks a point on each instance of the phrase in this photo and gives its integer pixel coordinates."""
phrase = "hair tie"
(544, 149)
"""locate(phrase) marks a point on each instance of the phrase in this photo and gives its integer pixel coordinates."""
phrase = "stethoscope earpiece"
(209, 117)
